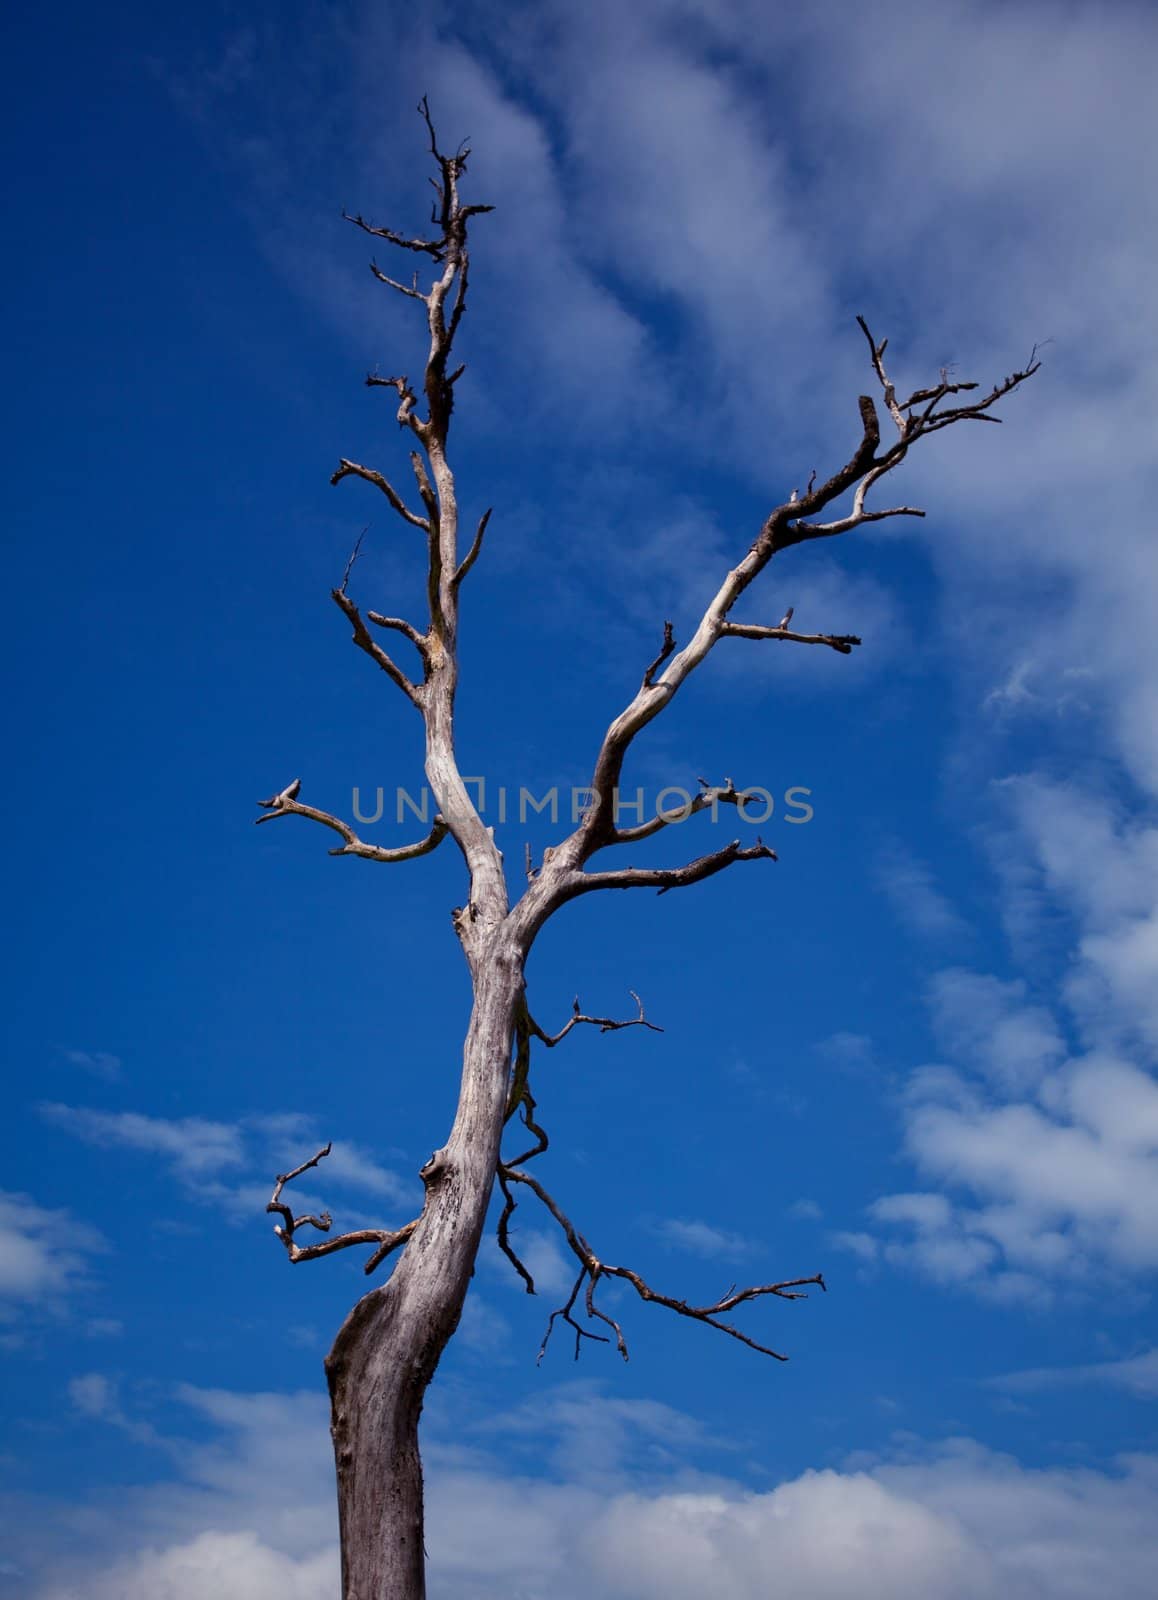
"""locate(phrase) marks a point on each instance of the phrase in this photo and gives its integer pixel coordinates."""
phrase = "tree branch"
(604, 1024)
(412, 291)
(386, 1240)
(364, 640)
(664, 878)
(665, 650)
(520, 1099)
(399, 625)
(592, 1270)
(286, 804)
(472, 554)
(429, 247)
(709, 797)
(786, 525)
(842, 642)
(351, 469)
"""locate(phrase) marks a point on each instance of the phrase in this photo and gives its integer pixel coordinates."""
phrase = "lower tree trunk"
(388, 1348)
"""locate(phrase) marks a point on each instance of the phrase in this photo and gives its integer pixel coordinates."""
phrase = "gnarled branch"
(709, 797)
(367, 643)
(287, 804)
(786, 525)
(521, 1100)
(593, 1270)
(604, 1024)
(428, 247)
(351, 469)
(664, 878)
(385, 1240)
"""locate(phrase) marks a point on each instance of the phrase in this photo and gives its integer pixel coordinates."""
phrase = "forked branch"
(351, 469)
(605, 1024)
(662, 879)
(520, 1100)
(366, 642)
(385, 1240)
(710, 798)
(593, 1271)
(287, 804)
(790, 523)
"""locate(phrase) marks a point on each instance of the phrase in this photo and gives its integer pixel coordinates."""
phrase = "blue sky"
(917, 1053)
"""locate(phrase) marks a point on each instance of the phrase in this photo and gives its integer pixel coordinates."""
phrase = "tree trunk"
(388, 1348)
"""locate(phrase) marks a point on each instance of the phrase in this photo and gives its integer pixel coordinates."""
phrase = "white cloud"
(43, 1254)
(229, 1566)
(483, 1329)
(97, 1062)
(194, 1146)
(919, 903)
(862, 1245)
(93, 1395)
(701, 1238)
(96, 1395)
(1138, 1375)
(1060, 1187)
(205, 1156)
(990, 1026)
(1101, 868)
(352, 1168)
(541, 1254)
(620, 1517)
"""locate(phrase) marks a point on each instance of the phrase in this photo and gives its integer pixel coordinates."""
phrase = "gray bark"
(388, 1348)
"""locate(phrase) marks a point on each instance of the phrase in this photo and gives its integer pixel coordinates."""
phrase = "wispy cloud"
(235, 1163)
(701, 1238)
(98, 1063)
(994, 1027)
(96, 1395)
(912, 888)
(1138, 1375)
(44, 1254)
(193, 1147)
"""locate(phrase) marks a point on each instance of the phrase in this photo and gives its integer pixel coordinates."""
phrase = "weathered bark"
(387, 1350)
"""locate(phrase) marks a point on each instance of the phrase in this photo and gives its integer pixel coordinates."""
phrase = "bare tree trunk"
(387, 1350)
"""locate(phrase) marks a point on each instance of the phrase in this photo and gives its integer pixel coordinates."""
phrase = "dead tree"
(387, 1350)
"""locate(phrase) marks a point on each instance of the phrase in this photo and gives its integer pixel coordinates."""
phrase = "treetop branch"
(786, 525)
